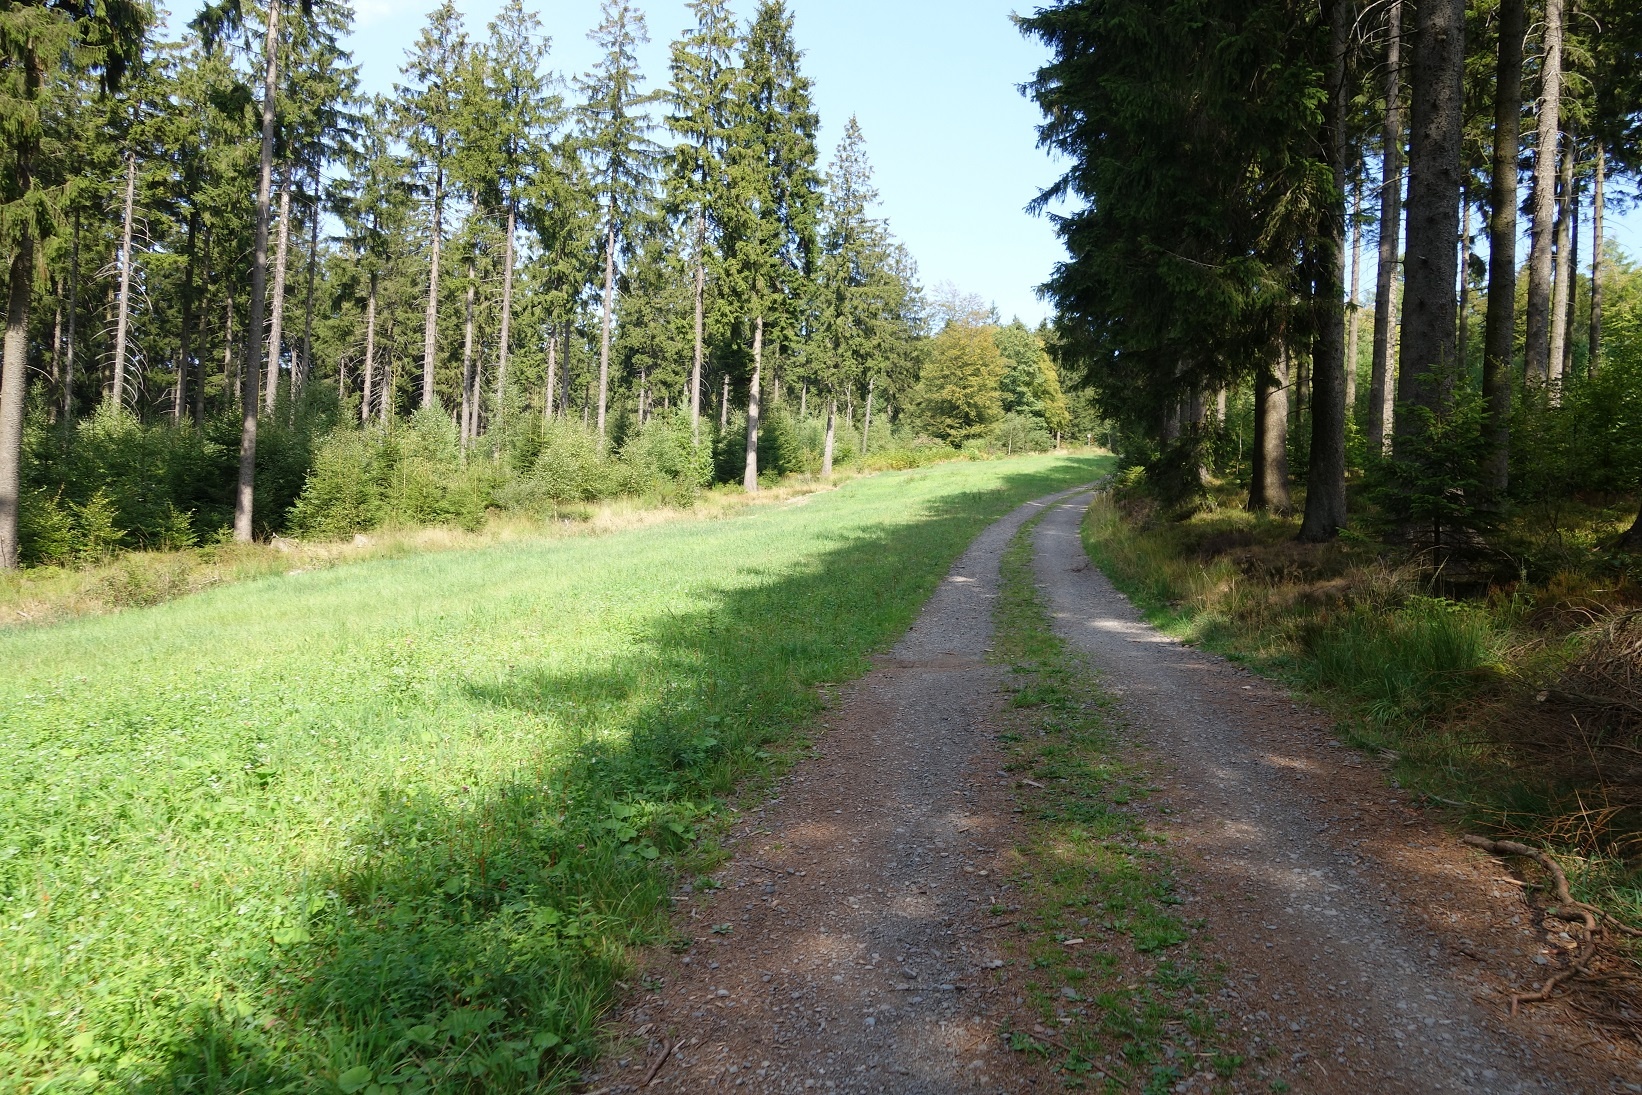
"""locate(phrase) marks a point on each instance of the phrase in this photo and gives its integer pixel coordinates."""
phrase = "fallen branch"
(666, 1052)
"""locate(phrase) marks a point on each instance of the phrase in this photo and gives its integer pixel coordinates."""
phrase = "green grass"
(392, 827)
(1132, 1005)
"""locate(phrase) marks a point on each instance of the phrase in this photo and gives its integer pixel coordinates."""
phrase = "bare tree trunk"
(1597, 241)
(232, 363)
(827, 446)
(1326, 477)
(1499, 326)
(1355, 315)
(724, 406)
(1563, 266)
(1541, 231)
(552, 367)
(749, 480)
(1573, 268)
(304, 367)
(430, 323)
(245, 487)
(866, 425)
(204, 336)
(467, 360)
(1465, 279)
(609, 307)
(186, 350)
(564, 383)
(507, 310)
(701, 327)
(1380, 386)
(122, 322)
(56, 350)
(803, 400)
(368, 382)
(14, 387)
(1269, 483)
(71, 345)
(276, 325)
(1430, 321)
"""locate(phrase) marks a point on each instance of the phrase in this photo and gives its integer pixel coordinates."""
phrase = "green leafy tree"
(959, 395)
(1030, 385)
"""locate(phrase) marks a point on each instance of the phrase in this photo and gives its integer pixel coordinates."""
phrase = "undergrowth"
(1120, 985)
(1514, 707)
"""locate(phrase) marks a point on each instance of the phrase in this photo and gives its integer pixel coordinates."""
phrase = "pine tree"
(1542, 228)
(621, 157)
(774, 191)
(703, 81)
(429, 105)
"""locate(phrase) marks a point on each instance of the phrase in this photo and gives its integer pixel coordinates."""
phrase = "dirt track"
(846, 948)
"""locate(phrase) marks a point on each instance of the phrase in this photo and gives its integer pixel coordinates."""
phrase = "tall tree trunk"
(827, 445)
(1499, 325)
(1380, 385)
(507, 311)
(276, 325)
(1326, 477)
(1574, 204)
(430, 323)
(1563, 262)
(564, 382)
(724, 406)
(1430, 323)
(232, 363)
(1269, 484)
(803, 400)
(71, 345)
(122, 321)
(56, 350)
(701, 325)
(252, 360)
(1355, 315)
(305, 366)
(187, 348)
(552, 368)
(14, 387)
(1597, 211)
(467, 358)
(368, 382)
(866, 422)
(1541, 231)
(1464, 344)
(609, 307)
(749, 479)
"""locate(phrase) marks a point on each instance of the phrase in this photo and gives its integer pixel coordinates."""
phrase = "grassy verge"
(390, 827)
(1121, 988)
(1511, 710)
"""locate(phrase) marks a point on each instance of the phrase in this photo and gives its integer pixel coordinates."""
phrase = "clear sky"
(932, 82)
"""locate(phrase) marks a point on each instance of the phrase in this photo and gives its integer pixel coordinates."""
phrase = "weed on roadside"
(1121, 988)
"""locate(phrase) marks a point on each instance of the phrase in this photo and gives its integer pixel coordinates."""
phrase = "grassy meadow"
(390, 827)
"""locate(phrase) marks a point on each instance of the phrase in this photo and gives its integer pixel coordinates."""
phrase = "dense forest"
(1242, 168)
(245, 296)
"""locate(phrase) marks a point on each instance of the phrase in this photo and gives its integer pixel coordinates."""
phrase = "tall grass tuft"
(1407, 662)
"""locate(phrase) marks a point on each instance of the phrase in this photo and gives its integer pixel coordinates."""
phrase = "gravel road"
(845, 946)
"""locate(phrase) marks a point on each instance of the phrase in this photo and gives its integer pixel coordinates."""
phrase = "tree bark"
(305, 367)
(507, 312)
(232, 363)
(14, 392)
(1563, 263)
(1430, 321)
(866, 422)
(368, 382)
(252, 360)
(1499, 324)
(430, 323)
(609, 307)
(1380, 384)
(1574, 204)
(803, 400)
(204, 337)
(827, 446)
(1541, 231)
(186, 348)
(552, 368)
(122, 321)
(749, 479)
(1354, 316)
(724, 406)
(276, 325)
(1326, 477)
(1465, 281)
(701, 324)
(71, 345)
(56, 349)
(1269, 484)
(1597, 241)
(467, 360)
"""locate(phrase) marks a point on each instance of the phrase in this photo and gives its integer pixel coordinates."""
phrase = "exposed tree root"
(1589, 920)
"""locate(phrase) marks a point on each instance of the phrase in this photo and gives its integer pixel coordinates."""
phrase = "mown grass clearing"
(391, 827)
(1116, 971)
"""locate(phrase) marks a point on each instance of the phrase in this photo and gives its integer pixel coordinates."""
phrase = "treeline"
(1233, 164)
(219, 246)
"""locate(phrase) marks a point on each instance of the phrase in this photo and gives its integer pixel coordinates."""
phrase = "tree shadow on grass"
(474, 944)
